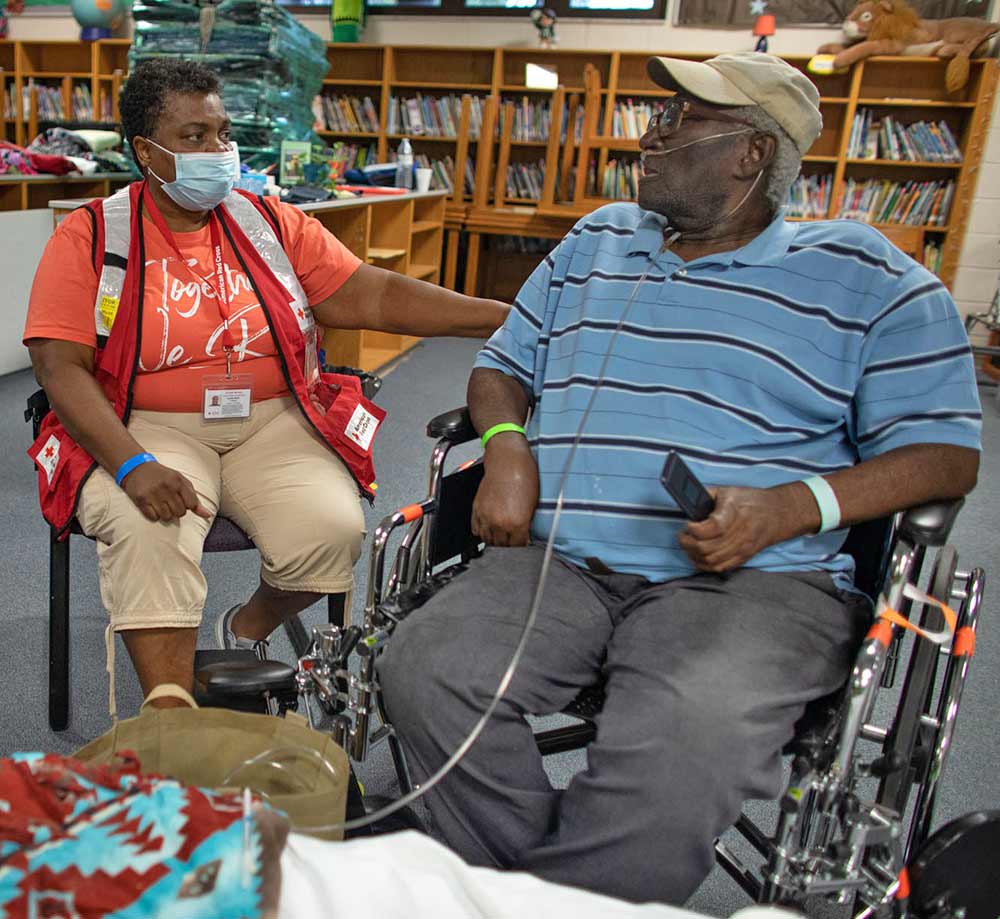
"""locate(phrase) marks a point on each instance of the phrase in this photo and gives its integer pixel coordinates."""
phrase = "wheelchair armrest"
(371, 383)
(930, 524)
(455, 426)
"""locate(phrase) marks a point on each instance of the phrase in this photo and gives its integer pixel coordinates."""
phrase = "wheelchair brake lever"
(350, 639)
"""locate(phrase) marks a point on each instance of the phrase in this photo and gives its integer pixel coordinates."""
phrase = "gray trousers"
(706, 677)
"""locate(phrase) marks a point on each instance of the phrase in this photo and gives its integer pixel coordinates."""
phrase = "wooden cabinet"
(403, 234)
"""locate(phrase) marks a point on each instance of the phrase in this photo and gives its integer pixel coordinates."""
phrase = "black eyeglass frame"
(664, 124)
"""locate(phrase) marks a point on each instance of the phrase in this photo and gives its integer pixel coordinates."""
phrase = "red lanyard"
(218, 285)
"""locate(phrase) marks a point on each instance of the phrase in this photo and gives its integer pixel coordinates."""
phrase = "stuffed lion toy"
(893, 27)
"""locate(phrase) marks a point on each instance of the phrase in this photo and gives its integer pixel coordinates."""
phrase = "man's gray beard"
(686, 214)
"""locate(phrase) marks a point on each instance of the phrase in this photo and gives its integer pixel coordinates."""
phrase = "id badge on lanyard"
(230, 395)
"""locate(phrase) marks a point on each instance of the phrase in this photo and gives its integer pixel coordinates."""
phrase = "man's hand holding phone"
(729, 525)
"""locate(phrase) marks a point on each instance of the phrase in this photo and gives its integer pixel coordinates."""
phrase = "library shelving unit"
(592, 85)
(9, 95)
(910, 89)
(77, 79)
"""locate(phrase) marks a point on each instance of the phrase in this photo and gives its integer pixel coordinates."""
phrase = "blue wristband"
(829, 506)
(131, 463)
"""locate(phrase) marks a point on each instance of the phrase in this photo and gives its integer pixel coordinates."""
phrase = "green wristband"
(499, 429)
(829, 506)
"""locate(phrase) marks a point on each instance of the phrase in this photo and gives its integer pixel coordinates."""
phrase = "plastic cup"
(424, 179)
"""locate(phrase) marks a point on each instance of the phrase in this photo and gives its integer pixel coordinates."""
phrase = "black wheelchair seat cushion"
(246, 677)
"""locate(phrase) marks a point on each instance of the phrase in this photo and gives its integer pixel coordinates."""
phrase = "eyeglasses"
(670, 118)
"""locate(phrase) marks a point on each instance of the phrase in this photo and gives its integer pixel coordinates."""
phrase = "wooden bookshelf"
(910, 89)
(591, 84)
(404, 234)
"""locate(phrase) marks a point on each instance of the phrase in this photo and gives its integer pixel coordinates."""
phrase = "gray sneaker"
(228, 641)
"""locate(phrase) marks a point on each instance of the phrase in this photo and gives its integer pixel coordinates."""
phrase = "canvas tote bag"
(298, 770)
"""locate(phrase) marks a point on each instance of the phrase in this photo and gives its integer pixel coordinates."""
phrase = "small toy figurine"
(544, 19)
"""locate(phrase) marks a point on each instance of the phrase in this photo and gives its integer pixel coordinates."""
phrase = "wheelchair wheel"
(954, 874)
(910, 740)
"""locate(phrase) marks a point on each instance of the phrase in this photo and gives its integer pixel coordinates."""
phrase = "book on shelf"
(344, 156)
(432, 117)
(532, 119)
(49, 101)
(524, 180)
(83, 104)
(443, 172)
(10, 101)
(345, 113)
(620, 181)
(889, 139)
(914, 203)
(932, 256)
(809, 196)
(629, 119)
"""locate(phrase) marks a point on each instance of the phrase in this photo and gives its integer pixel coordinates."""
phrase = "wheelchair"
(853, 826)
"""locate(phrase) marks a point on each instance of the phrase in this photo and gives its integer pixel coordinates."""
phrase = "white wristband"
(829, 506)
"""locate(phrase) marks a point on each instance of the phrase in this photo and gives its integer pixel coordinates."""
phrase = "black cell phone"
(683, 486)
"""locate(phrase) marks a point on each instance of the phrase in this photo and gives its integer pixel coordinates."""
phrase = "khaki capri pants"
(269, 473)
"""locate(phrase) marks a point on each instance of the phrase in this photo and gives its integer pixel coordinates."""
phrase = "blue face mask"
(202, 179)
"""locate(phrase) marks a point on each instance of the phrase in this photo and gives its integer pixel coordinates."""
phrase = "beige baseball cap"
(748, 78)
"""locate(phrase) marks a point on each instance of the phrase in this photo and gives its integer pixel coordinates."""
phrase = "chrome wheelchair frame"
(836, 838)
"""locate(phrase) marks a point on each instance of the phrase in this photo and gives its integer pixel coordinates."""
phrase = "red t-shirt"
(181, 325)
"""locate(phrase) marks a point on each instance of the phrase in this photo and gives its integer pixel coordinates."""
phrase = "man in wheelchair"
(810, 373)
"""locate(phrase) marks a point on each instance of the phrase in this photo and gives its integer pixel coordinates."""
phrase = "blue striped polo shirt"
(816, 345)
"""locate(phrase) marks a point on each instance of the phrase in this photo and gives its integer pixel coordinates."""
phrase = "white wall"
(24, 234)
(980, 258)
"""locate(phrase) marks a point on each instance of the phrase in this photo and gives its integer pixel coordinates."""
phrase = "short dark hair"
(143, 98)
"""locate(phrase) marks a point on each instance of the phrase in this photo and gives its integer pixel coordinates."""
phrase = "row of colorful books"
(809, 196)
(10, 101)
(889, 139)
(345, 113)
(443, 172)
(912, 203)
(433, 117)
(532, 119)
(620, 181)
(932, 256)
(352, 156)
(630, 119)
(524, 180)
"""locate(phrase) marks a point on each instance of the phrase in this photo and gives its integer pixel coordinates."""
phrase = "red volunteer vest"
(331, 403)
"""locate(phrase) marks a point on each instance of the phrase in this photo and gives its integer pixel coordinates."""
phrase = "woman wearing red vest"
(173, 328)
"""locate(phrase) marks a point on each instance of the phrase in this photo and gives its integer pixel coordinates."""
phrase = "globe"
(98, 18)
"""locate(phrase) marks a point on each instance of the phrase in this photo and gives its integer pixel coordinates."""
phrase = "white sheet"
(410, 876)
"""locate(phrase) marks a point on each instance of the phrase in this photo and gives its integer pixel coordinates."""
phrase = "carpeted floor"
(428, 380)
